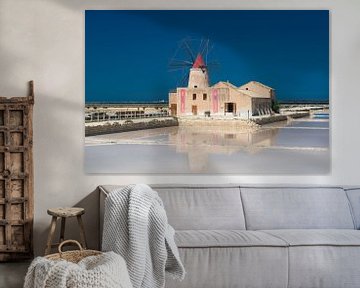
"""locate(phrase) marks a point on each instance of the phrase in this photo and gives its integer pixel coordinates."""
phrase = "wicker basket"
(72, 256)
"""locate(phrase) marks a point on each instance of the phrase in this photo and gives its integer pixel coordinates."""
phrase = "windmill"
(191, 53)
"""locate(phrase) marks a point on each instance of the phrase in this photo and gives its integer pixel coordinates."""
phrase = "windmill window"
(247, 88)
(194, 96)
(204, 96)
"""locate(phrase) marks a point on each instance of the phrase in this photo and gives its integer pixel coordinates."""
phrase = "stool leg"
(82, 232)
(51, 235)
(62, 230)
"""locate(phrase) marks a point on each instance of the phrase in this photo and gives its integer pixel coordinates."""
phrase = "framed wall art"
(207, 91)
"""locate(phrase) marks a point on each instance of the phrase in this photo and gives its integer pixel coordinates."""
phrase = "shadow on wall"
(56, 156)
(35, 45)
(91, 218)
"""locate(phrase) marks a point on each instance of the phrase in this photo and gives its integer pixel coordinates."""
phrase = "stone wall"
(277, 118)
(128, 126)
(214, 123)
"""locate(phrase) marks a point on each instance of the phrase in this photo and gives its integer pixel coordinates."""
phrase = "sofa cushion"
(315, 237)
(218, 267)
(296, 208)
(203, 208)
(322, 258)
(226, 238)
(199, 207)
(324, 266)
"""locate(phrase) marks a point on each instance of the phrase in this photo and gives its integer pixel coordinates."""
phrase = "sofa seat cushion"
(225, 267)
(317, 237)
(225, 238)
(322, 258)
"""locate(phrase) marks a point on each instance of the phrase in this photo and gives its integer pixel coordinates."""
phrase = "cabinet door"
(16, 211)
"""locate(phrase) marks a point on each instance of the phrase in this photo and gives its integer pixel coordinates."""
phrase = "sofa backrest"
(203, 208)
(354, 198)
(296, 208)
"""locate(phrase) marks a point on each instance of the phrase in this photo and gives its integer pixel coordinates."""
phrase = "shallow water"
(297, 147)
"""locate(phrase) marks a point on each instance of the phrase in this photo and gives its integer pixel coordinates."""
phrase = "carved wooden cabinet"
(16, 177)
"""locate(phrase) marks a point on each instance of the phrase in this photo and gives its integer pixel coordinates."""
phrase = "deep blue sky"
(128, 52)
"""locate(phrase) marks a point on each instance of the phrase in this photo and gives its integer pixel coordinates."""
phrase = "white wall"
(43, 40)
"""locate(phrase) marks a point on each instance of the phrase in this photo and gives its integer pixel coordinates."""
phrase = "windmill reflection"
(199, 142)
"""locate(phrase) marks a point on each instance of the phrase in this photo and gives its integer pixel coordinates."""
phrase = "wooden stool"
(64, 213)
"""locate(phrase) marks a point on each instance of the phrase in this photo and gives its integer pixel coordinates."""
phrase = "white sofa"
(243, 236)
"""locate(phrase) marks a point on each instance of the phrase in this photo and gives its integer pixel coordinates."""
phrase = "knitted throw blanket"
(104, 271)
(136, 227)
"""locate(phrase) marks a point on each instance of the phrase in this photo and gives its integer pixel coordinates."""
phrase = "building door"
(173, 109)
(230, 108)
(194, 109)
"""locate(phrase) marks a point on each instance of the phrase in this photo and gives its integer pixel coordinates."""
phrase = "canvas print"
(212, 92)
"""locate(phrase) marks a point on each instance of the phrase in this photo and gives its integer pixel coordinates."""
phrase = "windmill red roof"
(199, 62)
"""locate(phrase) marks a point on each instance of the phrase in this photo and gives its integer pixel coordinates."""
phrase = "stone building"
(223, 98)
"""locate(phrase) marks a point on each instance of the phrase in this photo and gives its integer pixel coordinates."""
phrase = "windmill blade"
(211, 67)
(177, 64)
(211, 46)
(181, 62)
(201, 46)
(204, 48)
(206, 51)
(188, 50)
(186, 55)
(184, 80)
(176, 69)
(209, 49)
(213, 64)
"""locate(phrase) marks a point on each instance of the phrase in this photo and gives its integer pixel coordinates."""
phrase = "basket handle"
(69, 241)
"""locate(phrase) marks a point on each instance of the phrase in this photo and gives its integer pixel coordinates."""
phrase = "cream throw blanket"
(103, 271)
(136, 227)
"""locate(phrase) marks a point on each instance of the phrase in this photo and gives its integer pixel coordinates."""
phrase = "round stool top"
(66, 211)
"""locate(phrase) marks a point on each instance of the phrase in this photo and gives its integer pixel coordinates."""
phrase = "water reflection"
(296, 146)
(200, 142)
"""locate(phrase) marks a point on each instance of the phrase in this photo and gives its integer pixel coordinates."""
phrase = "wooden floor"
(12, 274)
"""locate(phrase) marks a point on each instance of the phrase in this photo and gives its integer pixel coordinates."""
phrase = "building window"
(195, 86)
(247, 88)
(194, 96)
(204, 96)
